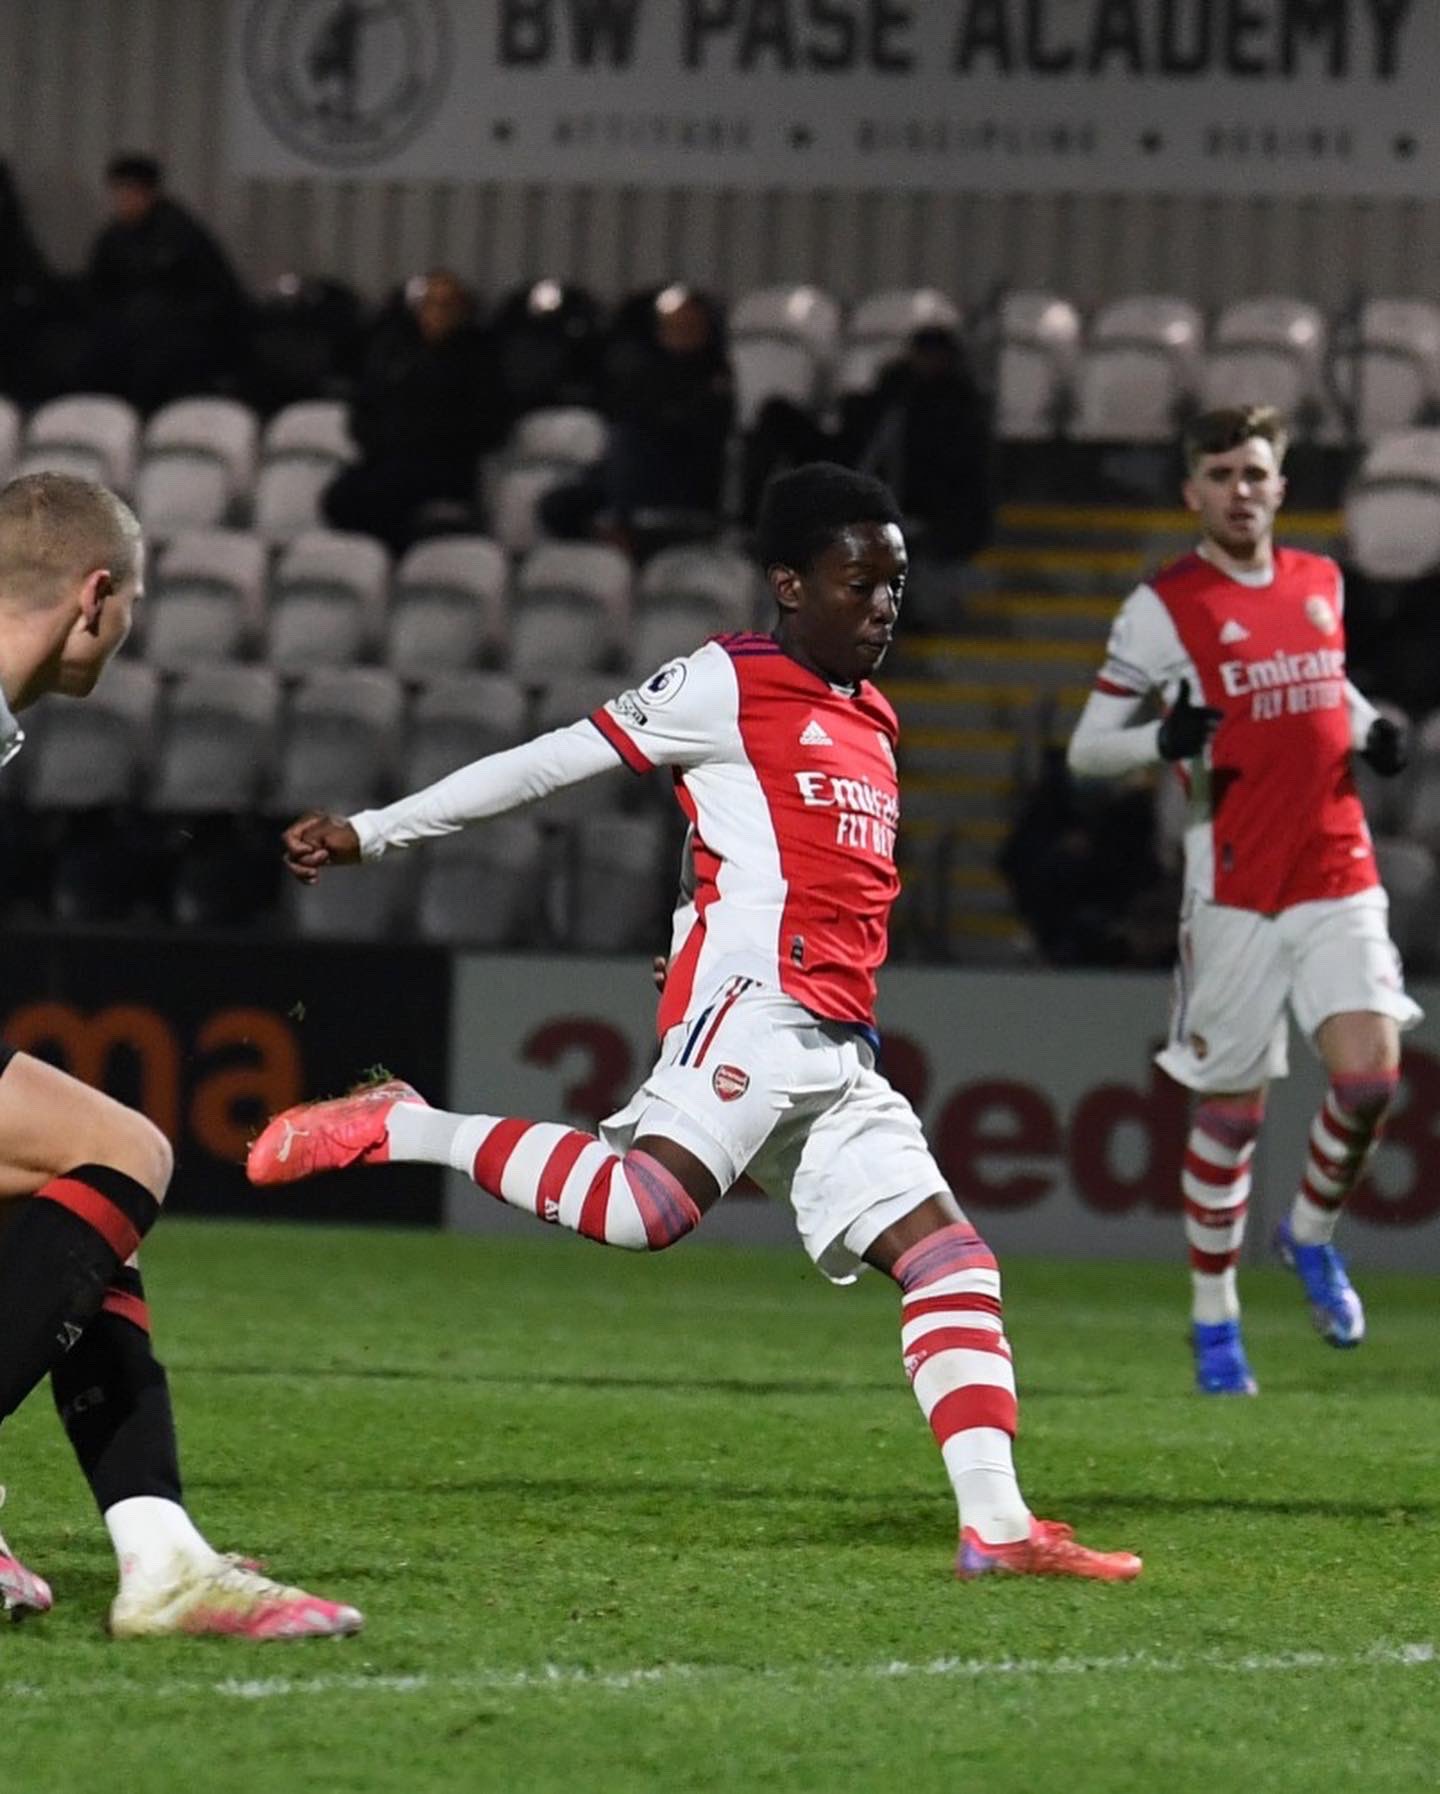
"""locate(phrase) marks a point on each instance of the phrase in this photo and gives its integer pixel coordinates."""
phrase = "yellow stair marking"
(1099, 520)
(1017, 557)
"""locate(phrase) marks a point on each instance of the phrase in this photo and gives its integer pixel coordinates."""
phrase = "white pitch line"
(560, 1677)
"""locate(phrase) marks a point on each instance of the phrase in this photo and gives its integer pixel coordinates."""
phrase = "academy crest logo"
(347, 82)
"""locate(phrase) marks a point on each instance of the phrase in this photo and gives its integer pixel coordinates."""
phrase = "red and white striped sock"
(553, 1172)
(1342, 1137)
(1215, 1181)
(958, 1361)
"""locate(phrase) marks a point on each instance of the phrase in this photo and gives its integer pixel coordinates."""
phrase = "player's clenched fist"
(317, 840)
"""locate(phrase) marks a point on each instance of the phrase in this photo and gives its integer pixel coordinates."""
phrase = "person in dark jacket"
(425, 409)
(170, 311)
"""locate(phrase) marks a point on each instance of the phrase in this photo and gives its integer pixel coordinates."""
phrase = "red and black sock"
(113, 1399)
(59, 1256)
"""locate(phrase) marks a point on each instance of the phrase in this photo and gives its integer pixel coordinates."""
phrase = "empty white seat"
(448, 608)
(303, 448)
(613, 893)
(83, 755)
(341, 741)
(772, 367)
(483, 886)
(207, 599)
(221, 431)
(89, 434)
(1156, 321)
(217, 740)
(457, 718)
(1254, 374)
(571, 603)
(1129, 393)
(720, 577)
(572, 434)
(666, 632)
(1038, 343)
(803, 313)
(895, 314)
(180, 491)
(1392, 511)
(327, 599)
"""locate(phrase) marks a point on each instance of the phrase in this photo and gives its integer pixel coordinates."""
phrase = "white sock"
(155, 1539)
(1214, 1297)
(982, 1470)
(418, 1132)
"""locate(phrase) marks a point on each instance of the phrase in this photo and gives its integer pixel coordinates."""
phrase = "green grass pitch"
(671, 1524)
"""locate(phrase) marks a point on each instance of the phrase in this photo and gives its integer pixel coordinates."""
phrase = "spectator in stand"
(547, 343)
(426, 408)
(925, 428)
(171, 316)
(669, 394)
(34, 308)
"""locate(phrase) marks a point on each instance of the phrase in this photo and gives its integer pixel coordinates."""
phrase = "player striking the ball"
(1283, 904)
(784, 758)
(82, 1177)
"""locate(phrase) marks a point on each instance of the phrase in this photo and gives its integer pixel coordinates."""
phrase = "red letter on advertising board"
(1160, 1115)
(996, 1120)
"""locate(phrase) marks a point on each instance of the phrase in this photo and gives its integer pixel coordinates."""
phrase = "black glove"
(1187, 727)
(1386, 750)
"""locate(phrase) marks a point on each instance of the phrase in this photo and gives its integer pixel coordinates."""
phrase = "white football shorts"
(1238, 970)
(752, 1082)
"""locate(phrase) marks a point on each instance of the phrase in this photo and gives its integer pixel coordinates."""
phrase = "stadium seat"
(570, 607)
(1275, 321)
(482, 887)
(303, 448)
(1156, 321)
(327, 600)
(512, 495)
(1385, 366)
(1392, 512)
(772, 367)
(613, 893)
(448, 608)
(720, 578)
(665, 632)
(376, 905)
(89, 434)
(197, 464)
(804, 314)
(87, 756)
(457, 718)
(207, 600)
(1038, 345)
(340, 741)
(1255, 373)
(216, 741)
(1126, 393)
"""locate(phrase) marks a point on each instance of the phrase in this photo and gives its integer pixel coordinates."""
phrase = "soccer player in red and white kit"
(1244, 644)
(783, 754)
(82, 1177)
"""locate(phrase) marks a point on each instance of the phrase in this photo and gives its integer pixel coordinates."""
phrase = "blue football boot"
(1335, 1308)
(1221, 1367)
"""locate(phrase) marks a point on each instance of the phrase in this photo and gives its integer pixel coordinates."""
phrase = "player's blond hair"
(1227, 427)
(54, 530)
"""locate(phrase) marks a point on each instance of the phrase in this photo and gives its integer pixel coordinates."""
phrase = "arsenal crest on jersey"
(1321, 613)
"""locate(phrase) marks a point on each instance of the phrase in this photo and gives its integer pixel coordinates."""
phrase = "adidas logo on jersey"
(1234, 632)
(812, 735)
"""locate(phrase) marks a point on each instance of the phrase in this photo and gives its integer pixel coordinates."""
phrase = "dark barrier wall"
(209, 1037)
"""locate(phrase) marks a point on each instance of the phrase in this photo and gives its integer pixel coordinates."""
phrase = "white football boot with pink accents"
(226, 1598)
(22, 1592)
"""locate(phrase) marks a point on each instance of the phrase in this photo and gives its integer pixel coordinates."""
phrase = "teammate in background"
(784, 757)
(82, 1177)
(1282, 904)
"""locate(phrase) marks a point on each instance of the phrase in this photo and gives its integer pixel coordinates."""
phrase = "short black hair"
(802, 512)
(140, 171)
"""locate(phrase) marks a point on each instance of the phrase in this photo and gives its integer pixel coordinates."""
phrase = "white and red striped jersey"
(790, 789)
(1274, 818)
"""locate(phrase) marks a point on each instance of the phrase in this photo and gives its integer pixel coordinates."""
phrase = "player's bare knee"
(141, 1151)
